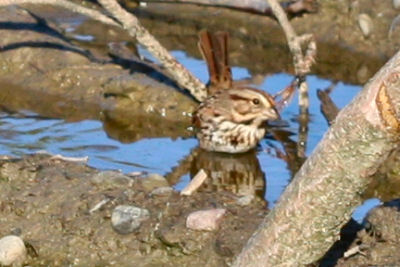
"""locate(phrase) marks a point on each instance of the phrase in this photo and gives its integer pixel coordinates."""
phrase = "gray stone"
(245, 200)
(153, 181)
(396, 4)
(12, 250)
(365, 23)
(126, 219)
(162, 191)
(111, 177)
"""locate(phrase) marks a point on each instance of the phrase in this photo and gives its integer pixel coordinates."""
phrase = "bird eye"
(256, 101)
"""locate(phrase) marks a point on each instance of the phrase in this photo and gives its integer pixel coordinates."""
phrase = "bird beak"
(272, 114)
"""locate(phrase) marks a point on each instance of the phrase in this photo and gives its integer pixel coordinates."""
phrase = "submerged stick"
(328, 107)
(195, 183)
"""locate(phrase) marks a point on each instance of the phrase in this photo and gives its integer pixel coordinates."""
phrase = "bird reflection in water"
(239, 174)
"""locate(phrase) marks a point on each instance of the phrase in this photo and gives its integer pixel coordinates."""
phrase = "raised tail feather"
(214, 48)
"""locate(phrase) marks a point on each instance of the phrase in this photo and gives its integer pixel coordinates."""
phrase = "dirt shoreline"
(49, 203)
(63, 212)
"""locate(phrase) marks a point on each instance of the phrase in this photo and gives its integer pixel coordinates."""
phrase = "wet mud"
(54, 206)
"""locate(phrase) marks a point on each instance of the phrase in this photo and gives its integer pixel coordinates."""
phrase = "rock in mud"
(110, 178)
(377, 244)
(245, 200)
(396, 4)
(126, 219)
(162, 191)
(205, 220)
(153, 181)
(365, 23)
(384, 221)
(12, 250)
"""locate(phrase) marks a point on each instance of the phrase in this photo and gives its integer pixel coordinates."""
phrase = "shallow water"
(26, 132)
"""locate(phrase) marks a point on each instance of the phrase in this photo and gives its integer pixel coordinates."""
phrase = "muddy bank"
(258, 44)
(51, 204)
(40, 64)
(64, 210)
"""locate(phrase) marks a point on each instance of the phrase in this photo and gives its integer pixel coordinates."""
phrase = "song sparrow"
(232, 119)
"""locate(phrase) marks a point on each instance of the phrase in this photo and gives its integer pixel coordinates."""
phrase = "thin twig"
(302, 64)
(70, 159)
(303, 119)
(132, 25)
(393, 25)
(294, 41)
(99, 205)
(284, 97)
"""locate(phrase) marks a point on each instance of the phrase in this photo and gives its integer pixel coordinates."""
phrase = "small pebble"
(99, 205)
(396, 4)
(384, 220)
(245, 200)
(205, 220)
(162, 191)
(12, 250)
(363, 74)
(365, 23)
(153, 181)
(111, 177)
(126, 219)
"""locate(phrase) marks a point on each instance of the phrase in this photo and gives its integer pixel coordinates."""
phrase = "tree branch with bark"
(292, 8)
(302, 62)
(322, 196)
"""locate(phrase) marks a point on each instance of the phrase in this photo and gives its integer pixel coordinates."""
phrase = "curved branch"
(136, 30)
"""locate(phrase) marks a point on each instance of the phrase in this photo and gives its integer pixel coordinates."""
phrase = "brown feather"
(214, 48)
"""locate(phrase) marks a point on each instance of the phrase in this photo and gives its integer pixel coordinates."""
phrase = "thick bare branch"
(323, 194)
